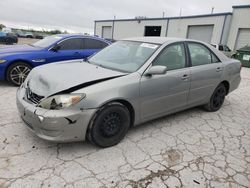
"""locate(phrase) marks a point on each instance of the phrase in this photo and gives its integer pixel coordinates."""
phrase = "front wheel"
(110, 125)
(17, 73)
(217, 99)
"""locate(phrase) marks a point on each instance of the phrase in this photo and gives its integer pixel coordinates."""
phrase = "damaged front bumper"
(54, 125)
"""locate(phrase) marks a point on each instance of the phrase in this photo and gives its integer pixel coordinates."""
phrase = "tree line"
(51, 32)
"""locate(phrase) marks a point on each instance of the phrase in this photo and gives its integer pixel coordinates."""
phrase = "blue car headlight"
(58, 102)
(2, 61)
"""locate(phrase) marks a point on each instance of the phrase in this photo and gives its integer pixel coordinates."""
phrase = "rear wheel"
(17, 73)
(110, 125)
(8, 41)
(217, 99)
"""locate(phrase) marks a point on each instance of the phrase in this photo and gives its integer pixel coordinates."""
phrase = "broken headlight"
(58, 102)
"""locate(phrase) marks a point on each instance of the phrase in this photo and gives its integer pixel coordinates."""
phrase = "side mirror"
(55, 48)
(156, 70)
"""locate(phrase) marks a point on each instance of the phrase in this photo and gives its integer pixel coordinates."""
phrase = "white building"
(231, 28)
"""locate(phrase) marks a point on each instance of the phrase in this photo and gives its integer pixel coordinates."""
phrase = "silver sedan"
(128, 83)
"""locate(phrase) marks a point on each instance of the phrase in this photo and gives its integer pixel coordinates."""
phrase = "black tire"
(8, 41)
(17, 73)
(217, 99)
(109, 125)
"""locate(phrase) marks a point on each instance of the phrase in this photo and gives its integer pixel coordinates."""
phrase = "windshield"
(124, 56)
(46, 42)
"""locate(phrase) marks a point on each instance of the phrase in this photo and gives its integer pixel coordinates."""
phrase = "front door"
(162, 94)
(69, 49)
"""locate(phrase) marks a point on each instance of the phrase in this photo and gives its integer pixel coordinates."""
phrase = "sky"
(79, 15)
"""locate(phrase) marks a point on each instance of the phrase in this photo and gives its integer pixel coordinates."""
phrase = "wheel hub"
(219, 97)
(111, 125)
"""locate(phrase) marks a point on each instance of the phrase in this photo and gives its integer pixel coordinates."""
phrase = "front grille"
(34, 98)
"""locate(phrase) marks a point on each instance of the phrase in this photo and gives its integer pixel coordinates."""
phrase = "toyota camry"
(127, 83)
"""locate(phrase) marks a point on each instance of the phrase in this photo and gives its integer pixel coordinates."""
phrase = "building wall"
(225, 31)
(240, 19)
(125, 29)
(179, 27)
(99, 25)
(175, 27)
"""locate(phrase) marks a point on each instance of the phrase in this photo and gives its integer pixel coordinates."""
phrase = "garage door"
(200, 32)
(107, 32)
(243, 38)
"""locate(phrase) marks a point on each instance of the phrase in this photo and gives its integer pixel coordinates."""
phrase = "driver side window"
(173, 57)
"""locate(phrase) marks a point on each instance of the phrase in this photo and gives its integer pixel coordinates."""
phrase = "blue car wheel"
(17, 73)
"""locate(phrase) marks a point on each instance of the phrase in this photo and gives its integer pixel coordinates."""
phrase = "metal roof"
(168, 18)
(241, 6)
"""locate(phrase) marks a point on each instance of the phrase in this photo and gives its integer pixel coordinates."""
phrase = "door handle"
(218, 69)
(184, 77)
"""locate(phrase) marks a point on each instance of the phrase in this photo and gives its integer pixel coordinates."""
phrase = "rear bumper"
(54, 125)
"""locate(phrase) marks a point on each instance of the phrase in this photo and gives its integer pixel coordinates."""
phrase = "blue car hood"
(17, 49)
(60, 77)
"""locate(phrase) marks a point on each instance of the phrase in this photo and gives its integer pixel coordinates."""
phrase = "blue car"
(17, 61)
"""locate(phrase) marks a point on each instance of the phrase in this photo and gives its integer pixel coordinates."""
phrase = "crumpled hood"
(17, 49)
(54, 78)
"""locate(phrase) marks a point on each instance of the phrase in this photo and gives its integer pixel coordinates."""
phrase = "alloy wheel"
(19, 73)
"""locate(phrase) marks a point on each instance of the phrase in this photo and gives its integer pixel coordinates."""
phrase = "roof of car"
(75, 35)
(80, 35)
(156, 40)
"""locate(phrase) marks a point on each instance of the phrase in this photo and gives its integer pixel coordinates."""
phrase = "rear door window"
(200, 55)
(226, 49)
(72, 44)
(94, 44)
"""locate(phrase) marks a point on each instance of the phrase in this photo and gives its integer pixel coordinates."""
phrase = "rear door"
(71, 48)
(206, 72)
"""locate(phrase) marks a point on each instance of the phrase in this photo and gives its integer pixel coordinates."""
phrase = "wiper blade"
(92, 63)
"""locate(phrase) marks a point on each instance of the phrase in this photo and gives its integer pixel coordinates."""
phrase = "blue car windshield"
(124, 56)
(46, 42)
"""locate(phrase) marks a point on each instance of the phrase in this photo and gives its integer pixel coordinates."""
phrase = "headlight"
(2, 61)
(58, 102)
